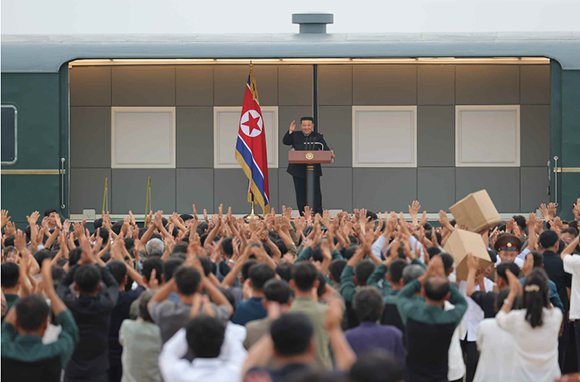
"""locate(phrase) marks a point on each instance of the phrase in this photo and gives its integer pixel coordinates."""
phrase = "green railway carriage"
(60, 96)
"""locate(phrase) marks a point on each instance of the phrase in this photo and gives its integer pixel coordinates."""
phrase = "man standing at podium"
(305, 139)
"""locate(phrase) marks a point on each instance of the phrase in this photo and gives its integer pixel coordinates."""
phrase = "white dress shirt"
(497, 348)
(523, 254)
(519, 262)
(536, 356)
(380, 242)
(572, 266)
(456, 364)
(474, 314)
(226, 368)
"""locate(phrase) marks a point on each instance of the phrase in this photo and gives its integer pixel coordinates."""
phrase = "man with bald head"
(429, 327)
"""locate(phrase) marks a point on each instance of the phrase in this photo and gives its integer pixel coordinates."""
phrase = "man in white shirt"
(471, 322)
(218, 349)
(572, 266)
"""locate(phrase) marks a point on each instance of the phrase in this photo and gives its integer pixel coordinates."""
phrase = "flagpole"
(253, 214)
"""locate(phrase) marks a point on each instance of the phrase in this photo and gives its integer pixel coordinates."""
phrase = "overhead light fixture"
(306, 61)
(316, 60)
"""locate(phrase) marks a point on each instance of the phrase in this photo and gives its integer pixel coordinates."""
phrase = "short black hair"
(538, 258)
(170, 266)
(187, 279)
(179, 248)
(143, 302)
(116, 227)
(412, 272)
(317, 253)
(292, 334)
(58, 273)
(281, 246)
(98, 223)
(336, 268)
(9, 241)
(10, 274)
(504, 266)
(306, 119)
(31, 312)
(376, 366)
(396, 270)
(278, 291)
(368, 304)
(246, 268)
(87, 277)
(349, 252)
(186, 217)
(548, 239)
(304, 275)
(205, 336)
(285, 271)
(260, 274)
(74, 256)
(363, 271)
(42, 254)
(520, 221)
(447, 261)
(436, 288)
(118, 270)
(206, 264)
(321, 284)
(149, 265)
(433, 251)
(49, 211)
(571, 230)
(104, 234)
(129, 243)
(228, 246)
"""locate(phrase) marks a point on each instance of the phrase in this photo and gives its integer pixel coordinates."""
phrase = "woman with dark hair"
(534, 328)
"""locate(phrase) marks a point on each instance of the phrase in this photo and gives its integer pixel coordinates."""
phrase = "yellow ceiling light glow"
(310, 61)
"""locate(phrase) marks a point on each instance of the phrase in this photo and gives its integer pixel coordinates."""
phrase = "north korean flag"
(251, 151)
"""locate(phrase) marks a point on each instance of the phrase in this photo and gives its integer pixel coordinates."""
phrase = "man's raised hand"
(292, 127)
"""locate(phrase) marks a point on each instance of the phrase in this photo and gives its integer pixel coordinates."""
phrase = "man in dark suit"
(305, 139)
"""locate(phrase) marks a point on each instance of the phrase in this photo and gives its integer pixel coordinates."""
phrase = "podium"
(309, 158)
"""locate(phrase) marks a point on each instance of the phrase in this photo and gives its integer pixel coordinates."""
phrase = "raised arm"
(288, 137)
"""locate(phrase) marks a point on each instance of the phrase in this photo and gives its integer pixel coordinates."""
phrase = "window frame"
(144, 109)
(458, 135)
(10, 163)
(274, 156)
(356, 109)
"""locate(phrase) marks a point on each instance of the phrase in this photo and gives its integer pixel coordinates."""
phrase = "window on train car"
(9, 147)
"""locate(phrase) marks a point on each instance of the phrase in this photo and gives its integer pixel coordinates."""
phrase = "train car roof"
(47, 53)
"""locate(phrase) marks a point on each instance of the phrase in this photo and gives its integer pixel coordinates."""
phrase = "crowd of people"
(354, 297)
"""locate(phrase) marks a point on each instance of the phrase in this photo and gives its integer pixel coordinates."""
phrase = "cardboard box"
(459, 244)
(476, 211)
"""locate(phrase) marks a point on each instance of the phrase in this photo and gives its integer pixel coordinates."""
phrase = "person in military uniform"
(305, 139)
(508, 247)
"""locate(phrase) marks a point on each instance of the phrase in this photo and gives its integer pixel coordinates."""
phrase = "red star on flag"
(252, 123)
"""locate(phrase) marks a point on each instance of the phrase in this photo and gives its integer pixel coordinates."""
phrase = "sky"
(271, 16)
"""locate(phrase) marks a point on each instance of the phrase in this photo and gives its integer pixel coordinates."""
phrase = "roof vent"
(312, 22)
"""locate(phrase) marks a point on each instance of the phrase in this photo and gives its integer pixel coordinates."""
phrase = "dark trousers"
(577, 333)
(563, 342)
(115, 371)
(471, 358)
(300, 188)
